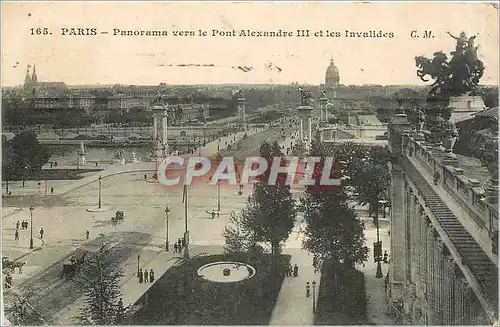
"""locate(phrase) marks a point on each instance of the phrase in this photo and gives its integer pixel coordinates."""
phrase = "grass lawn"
(341, 300)
(181, 297)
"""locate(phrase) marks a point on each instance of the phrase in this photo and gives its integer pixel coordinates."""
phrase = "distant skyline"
(146, 60)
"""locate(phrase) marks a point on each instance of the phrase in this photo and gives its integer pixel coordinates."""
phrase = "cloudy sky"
(109, 59)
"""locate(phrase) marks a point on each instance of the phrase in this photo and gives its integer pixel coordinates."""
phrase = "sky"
(145, 60)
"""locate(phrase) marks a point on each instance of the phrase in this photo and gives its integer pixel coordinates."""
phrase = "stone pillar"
(448, 293)
(309, 128)
(164, 129)
(323, 101)
(458, 297)
(438, 279)
(155, 128)
(409, 236)
(398, 229)
(413, 235)
(430, 273)
(242, 111)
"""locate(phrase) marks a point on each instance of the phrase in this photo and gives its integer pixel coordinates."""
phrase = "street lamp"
(31, 226)
(379, 244)
(99, 191)
(138, 260)
(314, 295)
(167, 211)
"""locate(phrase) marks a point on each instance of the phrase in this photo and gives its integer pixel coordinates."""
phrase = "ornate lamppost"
(167, 212)
(31, 226)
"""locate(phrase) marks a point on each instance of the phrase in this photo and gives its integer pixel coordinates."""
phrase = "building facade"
(444, 266)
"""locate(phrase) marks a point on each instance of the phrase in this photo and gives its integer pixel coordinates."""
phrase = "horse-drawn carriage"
(9, 266)
(73, 265)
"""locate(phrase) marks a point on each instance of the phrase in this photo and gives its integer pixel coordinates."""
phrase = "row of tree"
(334, 233)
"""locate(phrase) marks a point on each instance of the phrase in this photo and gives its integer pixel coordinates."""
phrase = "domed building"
(332, 77)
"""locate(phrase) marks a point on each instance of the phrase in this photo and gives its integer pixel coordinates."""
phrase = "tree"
(100, 279)
(24, 156)
(269, 215)
(334, 233)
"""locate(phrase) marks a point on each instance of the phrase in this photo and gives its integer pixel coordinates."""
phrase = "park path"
(292, 307)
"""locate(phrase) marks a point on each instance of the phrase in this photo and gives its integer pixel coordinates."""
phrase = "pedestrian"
(386, 256)
(17, 225)
(183, 242)
(315, 264)
(141, 276)
(295, 270)
(119, 310)
(87, 233)
(145, 177)
(146, 276)
(96, 163)
(16, 235)
(151, 275)
(308, 289)
(41, 233)
(213, 214)
(175, 247)
(179, 244)
(52, 190)
(289, 270)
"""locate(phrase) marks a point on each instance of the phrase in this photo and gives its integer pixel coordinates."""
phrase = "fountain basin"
(226, 271)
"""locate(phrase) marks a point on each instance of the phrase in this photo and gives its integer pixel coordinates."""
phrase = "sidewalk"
(159, 261)
(376, 310)
(292, 306)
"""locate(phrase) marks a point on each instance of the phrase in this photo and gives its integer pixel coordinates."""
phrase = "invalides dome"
(332, 77)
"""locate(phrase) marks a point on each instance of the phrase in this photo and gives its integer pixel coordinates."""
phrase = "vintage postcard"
(249, 163)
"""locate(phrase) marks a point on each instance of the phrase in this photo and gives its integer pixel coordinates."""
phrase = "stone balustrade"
(466, 191)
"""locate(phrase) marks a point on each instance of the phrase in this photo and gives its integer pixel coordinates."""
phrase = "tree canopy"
(269, 215)
(22, 155)
(100, 278)
(334, 233)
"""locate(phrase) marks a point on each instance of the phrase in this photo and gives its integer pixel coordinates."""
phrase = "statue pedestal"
(462, 107)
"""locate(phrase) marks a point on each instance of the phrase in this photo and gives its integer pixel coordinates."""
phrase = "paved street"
(65, 221)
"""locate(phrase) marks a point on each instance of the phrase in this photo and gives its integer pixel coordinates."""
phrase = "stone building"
(332, 77)
(444, 234)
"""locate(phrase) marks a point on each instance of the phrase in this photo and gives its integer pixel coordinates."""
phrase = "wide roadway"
(65, 221)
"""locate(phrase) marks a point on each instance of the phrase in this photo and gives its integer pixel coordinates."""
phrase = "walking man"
(308, 289)
(179, 244)
(386, 256)
(151, 275)
(141, 276)
(17, 224)
(295, 270)
(146, 276)
(175, 247)
(16, 235)
(87, 233)
(41, 233)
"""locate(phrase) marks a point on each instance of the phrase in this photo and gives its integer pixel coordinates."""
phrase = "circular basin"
(226, 271)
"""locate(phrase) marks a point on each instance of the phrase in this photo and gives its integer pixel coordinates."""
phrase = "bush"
(341, 296)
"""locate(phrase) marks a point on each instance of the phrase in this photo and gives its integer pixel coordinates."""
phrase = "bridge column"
(155, 127)
(309, 127)
(164, 129)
